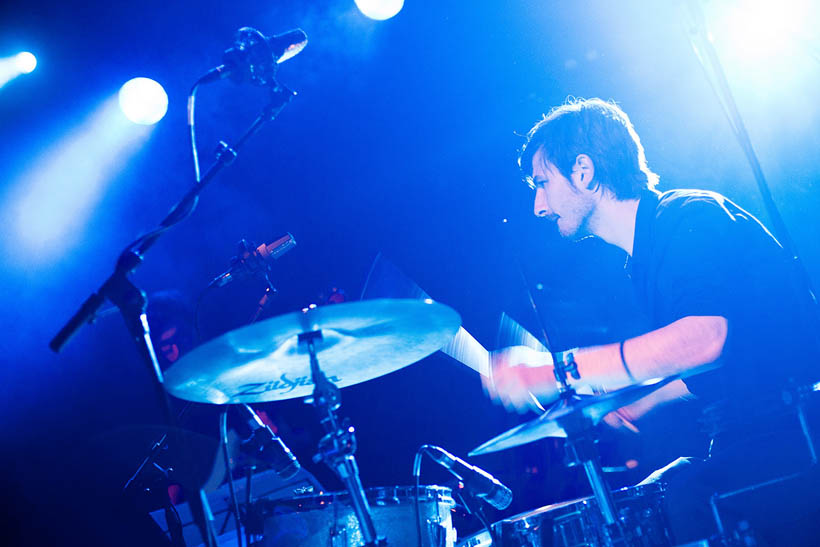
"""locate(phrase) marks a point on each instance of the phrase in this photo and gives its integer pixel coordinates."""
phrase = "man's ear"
(584, 169)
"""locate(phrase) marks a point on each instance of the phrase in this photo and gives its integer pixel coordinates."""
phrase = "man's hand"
(516, 374)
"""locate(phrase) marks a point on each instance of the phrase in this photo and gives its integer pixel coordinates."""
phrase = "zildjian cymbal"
(266, 362)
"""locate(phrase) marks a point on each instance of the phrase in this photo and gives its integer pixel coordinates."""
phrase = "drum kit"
(315, 352)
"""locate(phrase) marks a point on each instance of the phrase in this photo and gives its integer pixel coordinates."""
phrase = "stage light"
(26, 62)
(379, 9)
(50, 203)
(143, 101)
(11, 67)
(759, 30)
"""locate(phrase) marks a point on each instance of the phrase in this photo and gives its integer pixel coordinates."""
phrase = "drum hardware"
(355, 342)
(474, 506)
(266, 485)
(574, 416)
(223, 434)
(265, 362)
(794, 397)
(337, 447)
(154, 452)
(401, 332)
(265, 448)
(579, 523)
(472, 488)
(329, 519)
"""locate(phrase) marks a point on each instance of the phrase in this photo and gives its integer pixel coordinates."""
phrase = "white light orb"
(379, 9)
(25, 62)
(143, 101)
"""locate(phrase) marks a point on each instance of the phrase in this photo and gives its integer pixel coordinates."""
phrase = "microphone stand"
(132, 302)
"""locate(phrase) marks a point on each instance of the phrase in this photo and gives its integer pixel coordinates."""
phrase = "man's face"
(566, 202)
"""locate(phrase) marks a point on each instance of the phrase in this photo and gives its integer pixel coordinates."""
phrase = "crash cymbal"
(265, 361)
(571, 414)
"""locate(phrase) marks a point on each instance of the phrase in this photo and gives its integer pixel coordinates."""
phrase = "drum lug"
(338, 537)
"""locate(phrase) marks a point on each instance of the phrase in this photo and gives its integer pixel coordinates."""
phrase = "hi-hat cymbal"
(570, 415)
(265, 361)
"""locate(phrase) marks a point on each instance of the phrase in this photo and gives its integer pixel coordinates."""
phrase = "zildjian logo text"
(283, 384)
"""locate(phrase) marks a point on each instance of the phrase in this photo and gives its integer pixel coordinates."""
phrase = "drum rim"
(620, 495)
(375, 495)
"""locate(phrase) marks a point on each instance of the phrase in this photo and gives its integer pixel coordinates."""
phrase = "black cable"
(191, 124)
(248, 484)
(223, 430)
(487, 526)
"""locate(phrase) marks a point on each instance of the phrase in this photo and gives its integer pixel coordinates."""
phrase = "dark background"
(402, 140)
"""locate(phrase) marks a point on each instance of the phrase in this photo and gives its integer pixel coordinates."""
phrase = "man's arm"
(684, 345)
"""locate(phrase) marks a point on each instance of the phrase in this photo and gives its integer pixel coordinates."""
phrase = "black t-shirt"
(697, 253)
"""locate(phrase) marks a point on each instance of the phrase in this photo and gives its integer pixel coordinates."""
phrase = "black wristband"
(623, 362)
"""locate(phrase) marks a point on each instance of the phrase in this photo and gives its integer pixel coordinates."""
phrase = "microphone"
(265, 446)
(479, 482)
(251, 261)
(255, 55)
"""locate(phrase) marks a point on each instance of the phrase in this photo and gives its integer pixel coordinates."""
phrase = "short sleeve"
(700, 266)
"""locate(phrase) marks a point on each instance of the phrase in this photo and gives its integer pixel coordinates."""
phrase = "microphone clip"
(247, 263)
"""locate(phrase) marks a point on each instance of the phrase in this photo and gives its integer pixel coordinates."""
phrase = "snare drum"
(579, 523)
(328, 520)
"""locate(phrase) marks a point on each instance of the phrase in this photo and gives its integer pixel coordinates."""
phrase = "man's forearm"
(686, 344)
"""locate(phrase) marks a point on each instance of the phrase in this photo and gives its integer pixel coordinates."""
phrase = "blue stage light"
(25, 61)
(380, 9)
(757, 30)
(50, 204)
(143, 101)
(11, 67)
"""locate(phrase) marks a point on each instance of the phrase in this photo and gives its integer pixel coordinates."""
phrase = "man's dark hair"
(602, 131)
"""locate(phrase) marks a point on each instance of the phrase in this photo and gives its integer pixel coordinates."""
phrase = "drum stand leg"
(580, 447)
(581, 451)
(337, 447)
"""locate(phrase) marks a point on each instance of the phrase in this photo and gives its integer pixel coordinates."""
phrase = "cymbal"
(568, 415)
(265, 361)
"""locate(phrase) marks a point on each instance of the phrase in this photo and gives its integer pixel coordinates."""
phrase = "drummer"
(717, 286)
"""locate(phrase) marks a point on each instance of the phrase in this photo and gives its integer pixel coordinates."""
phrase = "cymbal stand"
(580, 444)
(337, 447)
(580, 449)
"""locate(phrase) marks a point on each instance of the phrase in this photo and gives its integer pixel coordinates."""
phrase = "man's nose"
(540, 206)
